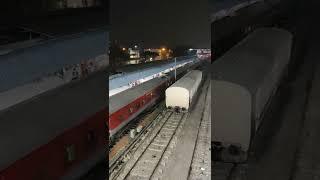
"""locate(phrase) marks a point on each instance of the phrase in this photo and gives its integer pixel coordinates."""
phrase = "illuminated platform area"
(124, 81)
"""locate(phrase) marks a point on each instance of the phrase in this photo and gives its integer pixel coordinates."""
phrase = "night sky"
(156, 23)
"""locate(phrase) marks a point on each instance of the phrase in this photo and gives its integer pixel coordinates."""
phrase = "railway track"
(135, 143)
(144, 158)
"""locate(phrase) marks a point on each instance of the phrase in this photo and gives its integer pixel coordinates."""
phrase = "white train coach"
(244, 81)
(180, 95)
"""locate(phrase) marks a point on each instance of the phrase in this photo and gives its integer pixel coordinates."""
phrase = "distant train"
(244, 81)
(180, 95)
(127, 105)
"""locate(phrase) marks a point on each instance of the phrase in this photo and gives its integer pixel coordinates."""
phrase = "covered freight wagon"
(244, 81)
(180, 95)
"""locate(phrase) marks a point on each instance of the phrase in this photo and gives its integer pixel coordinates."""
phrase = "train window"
(131, 110)
(91, 137)
(70, 153)
(121, 117)
(143, 101)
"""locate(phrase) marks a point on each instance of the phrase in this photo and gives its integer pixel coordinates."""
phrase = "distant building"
(134, 53)
(203, 51)
(163, 53)
(153, 50)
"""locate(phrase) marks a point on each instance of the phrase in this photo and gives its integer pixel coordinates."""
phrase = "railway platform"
(140, 73)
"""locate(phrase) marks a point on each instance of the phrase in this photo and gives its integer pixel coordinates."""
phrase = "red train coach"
(58, 135)
(126, 105)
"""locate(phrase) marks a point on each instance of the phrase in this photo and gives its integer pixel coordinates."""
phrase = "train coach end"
(244, 81)
(180, 95)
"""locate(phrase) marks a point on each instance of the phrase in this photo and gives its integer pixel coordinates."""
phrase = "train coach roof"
(187, 81)
(25, 65)
(246, 64)
(123, 98)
